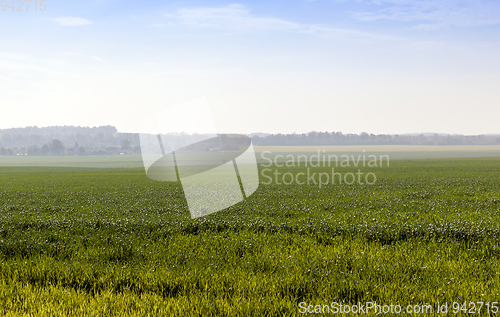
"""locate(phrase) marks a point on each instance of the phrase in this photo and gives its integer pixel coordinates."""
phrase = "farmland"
(87, 241)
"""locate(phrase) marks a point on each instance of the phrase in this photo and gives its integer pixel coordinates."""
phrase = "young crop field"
(111, 242)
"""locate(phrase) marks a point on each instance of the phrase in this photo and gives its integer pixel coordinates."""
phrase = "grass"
(112, 242)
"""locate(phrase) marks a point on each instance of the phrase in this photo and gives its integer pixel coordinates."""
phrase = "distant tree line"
(88, 137)
(338, 138)
(67, 140)
(57, 148)
(106, 140)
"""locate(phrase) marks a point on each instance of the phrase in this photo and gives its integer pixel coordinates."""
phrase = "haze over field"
(275, 66)
(108, 136)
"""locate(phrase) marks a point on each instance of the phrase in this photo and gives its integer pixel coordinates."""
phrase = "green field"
(76, 241)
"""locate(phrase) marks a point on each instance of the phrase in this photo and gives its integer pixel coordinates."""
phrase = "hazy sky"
(380, 66)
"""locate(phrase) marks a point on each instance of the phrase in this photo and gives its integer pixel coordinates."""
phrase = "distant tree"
(99, 137)
(125, 144)
(21, 151)
(80, 151)
(33, 150)
(44, 150)
(56, 147)
(76, 146)
(6, 152)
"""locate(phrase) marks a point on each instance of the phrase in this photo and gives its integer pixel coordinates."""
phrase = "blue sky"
(380, 66)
